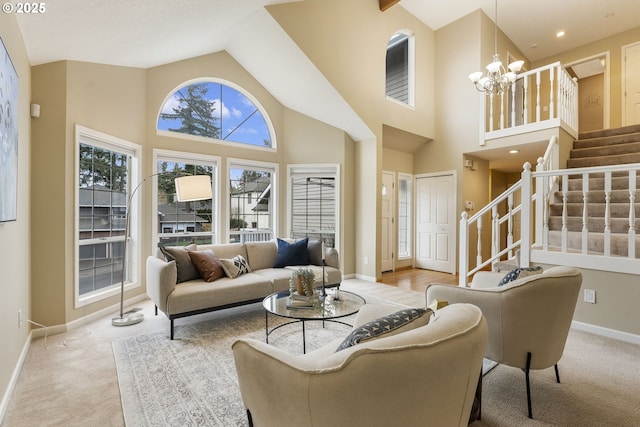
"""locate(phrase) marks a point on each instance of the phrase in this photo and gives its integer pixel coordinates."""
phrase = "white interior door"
(631, 85)
(388, 214)
(435, 223)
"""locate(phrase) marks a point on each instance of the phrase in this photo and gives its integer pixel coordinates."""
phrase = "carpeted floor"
(72, 381)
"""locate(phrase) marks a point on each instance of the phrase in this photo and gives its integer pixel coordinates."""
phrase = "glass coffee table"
(328, 310)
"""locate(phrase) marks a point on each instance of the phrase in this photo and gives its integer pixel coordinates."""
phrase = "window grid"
(103, 182)
(404, 217)
(181, 223)
(250, 204)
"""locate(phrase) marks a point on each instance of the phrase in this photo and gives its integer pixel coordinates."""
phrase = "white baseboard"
(58, 329)
(606, 332)
(367, 278)
(14, 378)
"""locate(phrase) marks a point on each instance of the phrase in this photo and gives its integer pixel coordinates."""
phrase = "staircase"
(592, 149)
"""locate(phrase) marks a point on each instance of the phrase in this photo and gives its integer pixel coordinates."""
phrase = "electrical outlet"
(19, 318)
(366, 260)
(590, 296)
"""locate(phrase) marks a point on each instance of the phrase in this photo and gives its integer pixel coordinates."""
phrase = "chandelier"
(497, 79)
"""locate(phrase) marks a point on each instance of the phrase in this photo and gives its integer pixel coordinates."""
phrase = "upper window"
(399, 68)
(217, 111)
(181, 223)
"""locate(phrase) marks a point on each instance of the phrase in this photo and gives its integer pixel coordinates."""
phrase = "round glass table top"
(326, 308)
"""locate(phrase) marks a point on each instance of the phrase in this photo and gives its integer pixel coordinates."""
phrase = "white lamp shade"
(510, 77)
(193, 187)
(494, 67)
(516, 66)
(474, 77)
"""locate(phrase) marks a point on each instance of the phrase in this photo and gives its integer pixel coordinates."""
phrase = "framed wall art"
(8, 137)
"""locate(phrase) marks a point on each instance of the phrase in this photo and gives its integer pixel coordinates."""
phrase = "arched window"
(399, 68)
(215, 111)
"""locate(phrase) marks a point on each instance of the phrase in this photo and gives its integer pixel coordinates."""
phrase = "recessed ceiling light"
(560, 34)
(513, 151)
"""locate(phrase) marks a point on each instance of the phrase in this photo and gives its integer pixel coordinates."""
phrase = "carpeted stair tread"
(607, 141)
(608, 150)
(609, 132)
(596, 196)
(619, 242)
(618, 182)
(603, 160)
(594, 224)
(616, 210)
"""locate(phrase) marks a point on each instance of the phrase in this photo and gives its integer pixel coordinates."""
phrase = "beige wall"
(591, 103)
(613, 45)
(326, 31)
(15, 236)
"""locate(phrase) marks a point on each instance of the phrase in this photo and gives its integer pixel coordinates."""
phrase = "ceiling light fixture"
(513, 151)
(560, 34)
(497, 79)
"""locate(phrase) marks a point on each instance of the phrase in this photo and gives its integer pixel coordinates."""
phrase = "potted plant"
(302, 280)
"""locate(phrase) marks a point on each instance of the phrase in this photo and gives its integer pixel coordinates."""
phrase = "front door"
(435, 223)
(388, 214)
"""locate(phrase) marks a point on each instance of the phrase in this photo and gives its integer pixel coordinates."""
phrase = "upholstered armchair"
(426, 376)
(528, 318)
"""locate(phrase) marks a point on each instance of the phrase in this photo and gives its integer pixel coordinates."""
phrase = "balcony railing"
(539, 99)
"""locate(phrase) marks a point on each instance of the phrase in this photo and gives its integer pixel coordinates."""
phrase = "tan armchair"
(528, 319)
(426, 376)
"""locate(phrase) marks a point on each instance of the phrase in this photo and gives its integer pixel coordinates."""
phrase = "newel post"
(463, 262)
(526, 217)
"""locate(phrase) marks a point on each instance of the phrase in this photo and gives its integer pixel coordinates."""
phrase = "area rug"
(191, 381)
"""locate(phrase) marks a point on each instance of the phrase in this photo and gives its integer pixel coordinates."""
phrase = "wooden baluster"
(495, 231)
(510, 223)
(502, 95)
(585, 213)
(491, 112)
(537, 96)
(526, 100)
(513, 104)
(607, 214)
(632, 214)
(551, 83)
(565, 229)
(479, 246)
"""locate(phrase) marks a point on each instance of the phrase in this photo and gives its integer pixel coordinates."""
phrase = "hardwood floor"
(416, 279)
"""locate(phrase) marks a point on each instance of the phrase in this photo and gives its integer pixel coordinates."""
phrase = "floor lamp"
(188, 188)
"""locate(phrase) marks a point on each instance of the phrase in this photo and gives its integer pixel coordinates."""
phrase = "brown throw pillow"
(208, 264)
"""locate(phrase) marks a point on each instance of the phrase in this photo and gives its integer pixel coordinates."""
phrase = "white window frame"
(84, 135)
(325, 170)
(274, 168)
(409, 179)
(411, 61)
(253, 99)
(192, 158)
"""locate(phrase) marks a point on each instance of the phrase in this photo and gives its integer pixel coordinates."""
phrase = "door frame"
(606, 119)
(453, 237)
(392, 232)
(623, 80)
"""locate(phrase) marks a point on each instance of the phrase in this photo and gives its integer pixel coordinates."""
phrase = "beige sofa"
(197, 296)
(425, 376)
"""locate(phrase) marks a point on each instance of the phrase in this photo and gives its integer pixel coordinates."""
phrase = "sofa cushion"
(235, 267)
(207, 264)
(292, 253)
(314, 251)
(519, 273)
(180, 254)
(261, 254)
(392, 323)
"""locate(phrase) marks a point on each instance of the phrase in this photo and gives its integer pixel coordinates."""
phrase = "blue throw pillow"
(292, 253)
(518, 273)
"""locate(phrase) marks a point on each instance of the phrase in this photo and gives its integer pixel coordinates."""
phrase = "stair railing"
(543, 249)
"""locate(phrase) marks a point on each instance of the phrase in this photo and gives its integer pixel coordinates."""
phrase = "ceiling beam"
(386, 4)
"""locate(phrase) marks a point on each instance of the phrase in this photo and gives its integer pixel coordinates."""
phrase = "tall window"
(180, 223)
(399, 68)
(314, 202)
(105, 167)
(251, 201)
(216, 111)
(404, 216)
